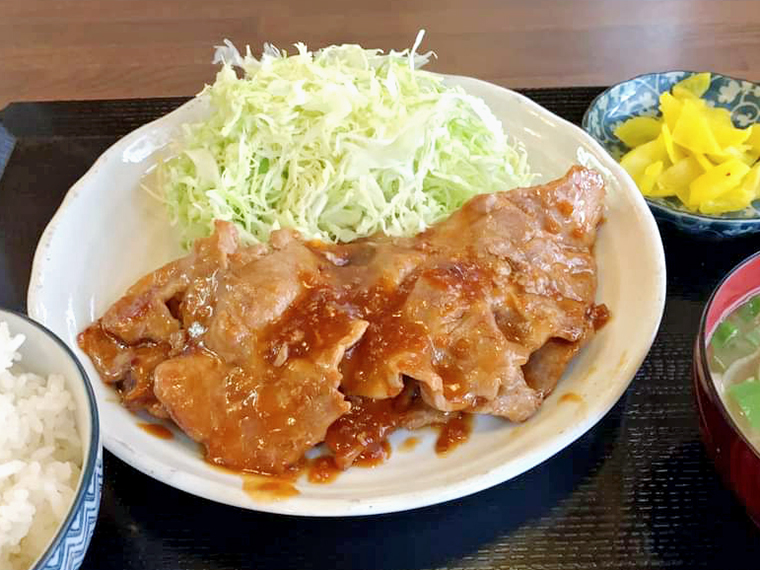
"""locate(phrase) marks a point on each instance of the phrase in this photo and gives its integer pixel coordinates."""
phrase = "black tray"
(637, 491)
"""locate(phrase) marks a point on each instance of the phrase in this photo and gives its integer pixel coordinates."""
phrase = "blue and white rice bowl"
(51, 459)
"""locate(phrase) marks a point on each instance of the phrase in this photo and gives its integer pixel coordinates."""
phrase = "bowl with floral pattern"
(640, 97)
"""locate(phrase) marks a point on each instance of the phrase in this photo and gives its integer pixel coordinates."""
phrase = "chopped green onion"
(724, 334)
(747, 397)
(750, 309)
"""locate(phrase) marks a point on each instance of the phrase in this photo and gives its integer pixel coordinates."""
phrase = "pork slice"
(511, 231)
(535, 244)
(110, 356)
(130, 368)
(515, 400)
(570, 207)
(253, 419)
(143, 327)
(391, 347)
(421, 415)
(547, 364)
(266, 388)
(553, 277)
(142, 314)
(384, 264)
(531, 320)
(477, 369)
(256, 294)
(469, 357)
(380, 274)
(136, 388)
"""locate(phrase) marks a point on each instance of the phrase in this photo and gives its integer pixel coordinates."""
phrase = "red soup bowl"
(736, 459)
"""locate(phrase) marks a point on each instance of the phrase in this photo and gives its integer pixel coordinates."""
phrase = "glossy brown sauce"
(113, 359)
(453, 433)
(570, 397)
(409, 443)
(599, 315)
(263, 487)
(157, 430)
(324, 314)
(220, 468)
(374, 455)
(323, 470)
(564, 207)
(267, 489)
(365, 426)
(464, 277)
(388, 332)
(319, 321)
(106, 352)
(391, 332)
(461, 280)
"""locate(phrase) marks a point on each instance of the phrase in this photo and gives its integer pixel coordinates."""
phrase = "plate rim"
(398, 502)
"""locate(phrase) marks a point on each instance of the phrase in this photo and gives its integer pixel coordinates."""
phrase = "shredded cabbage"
(338, 144)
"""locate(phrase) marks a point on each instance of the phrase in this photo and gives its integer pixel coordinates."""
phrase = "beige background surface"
(90, 49)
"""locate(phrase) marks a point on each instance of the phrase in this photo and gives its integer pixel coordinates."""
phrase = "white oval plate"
(108, 233)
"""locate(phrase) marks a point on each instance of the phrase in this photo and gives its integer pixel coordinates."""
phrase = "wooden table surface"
(91, 49)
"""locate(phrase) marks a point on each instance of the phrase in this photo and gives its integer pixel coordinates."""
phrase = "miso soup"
(734, 360)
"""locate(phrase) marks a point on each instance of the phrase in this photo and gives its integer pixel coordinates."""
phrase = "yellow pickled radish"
(697, 155)
(750, 157)
(637, 160)
(638, 130)
(723, 129)
(693, 87)
(684, 194)
(675, 180)
(646, 181)
(671, 109)
(674, 152)
(751, 182)
(735, 199)
(716, 181)
(743, 152)
(703, 161)
(692, 130)
(659, 191)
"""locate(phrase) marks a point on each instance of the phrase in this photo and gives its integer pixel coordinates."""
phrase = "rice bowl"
(50, 459)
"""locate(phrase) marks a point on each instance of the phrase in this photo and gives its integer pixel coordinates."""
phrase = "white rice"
(40, 457)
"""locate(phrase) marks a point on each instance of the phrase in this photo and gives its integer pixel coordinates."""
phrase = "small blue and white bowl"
(640, 96)
(44, 353)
